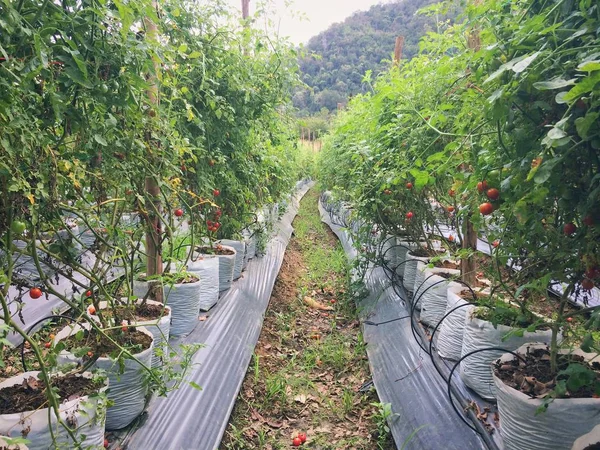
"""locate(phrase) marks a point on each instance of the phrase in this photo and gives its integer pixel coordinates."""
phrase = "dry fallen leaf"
(300, 398)
(312, 303)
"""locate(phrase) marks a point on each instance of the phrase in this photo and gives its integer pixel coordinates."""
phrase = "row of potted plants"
(480, 156)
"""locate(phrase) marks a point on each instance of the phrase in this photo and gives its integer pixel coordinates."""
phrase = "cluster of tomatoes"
(214, 225)
(299, 440)
(492, 194)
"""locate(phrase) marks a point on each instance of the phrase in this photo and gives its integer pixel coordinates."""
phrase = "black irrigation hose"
(449, 381)
(59, 316)
(376, 324)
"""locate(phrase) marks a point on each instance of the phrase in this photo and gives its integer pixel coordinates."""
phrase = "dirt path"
(309, 362)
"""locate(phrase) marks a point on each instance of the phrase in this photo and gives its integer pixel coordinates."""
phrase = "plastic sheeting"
(476, 370)
(207, 269)
(450, 339)
(34, 426)
(555, 429)
(240, 252)
(126, 380)
(403, 374)
(184, 301)
(192, 419)
(433, 294)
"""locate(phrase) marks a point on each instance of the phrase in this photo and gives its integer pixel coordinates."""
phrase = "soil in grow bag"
(31, 395)
(426, 253)
(189, 279)
(218, 250)
(502, 313)
(534, 376)
(445, 265)
(140, 312)
(132, 339)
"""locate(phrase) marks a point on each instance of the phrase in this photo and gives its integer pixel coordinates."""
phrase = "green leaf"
(586, 85)
(100, 140)
(583, 124)
(522, 65)
(589, 66)
(556, 83)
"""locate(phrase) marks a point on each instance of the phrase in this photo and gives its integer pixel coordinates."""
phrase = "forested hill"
(337, 59)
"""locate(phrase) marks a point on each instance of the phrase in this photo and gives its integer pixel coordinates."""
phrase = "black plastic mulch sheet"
(403, 373)
(188, 419)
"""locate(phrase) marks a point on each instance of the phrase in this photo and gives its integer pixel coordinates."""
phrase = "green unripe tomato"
(103, 88)
(17, 227)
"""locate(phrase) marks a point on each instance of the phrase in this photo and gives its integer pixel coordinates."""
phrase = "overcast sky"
(318, 15)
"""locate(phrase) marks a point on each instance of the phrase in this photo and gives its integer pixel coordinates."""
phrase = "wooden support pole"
(398, 50)
(154, 264)
(245, 9)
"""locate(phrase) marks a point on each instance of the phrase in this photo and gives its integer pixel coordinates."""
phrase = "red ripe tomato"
(587, 284)
(409, 215)
(209, 223)
(588, 220)
(493, 194)
(451, 193)
(302, 437)
(592, 272)
(296, 442)
(35, 292)
(48, 344)
(486, 208)
(92, 310)
(219, 213)
(88, 293)
(105, 443)
(451, 238)
(179, 212)
(496, 243)
(450, 208)
(409, 185)
(216, 192)
(569, 319)
(569, 228)
(482, 186)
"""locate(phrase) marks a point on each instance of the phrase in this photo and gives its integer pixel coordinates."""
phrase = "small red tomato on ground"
(588, 220)
(105, 443)
(486, 208)
(92, 310)
(35, 293)
(88, 293)
(482, 186)
(450, 208)
(496, 243)
(493, 194)
(409, 215)
(409, 185)
(48, 344)
(569, 319)
(179, 212)
(332, 301)
(296, 442)
(302, 437)
(569, 228)
(216, 192)
(587, 284)
(451, 193)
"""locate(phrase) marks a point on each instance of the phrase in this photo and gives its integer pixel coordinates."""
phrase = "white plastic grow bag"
(401, 249)
(250, 253)
(432, 293)
(451, 331)
(555, 429)
(207, 269)
(184, 301)
(410, 270)
(85, 414)
(476, 371)
(127, 380)
(140, 287)
(240, 250)
(226, 263)
(160, 329)
(591, 438)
